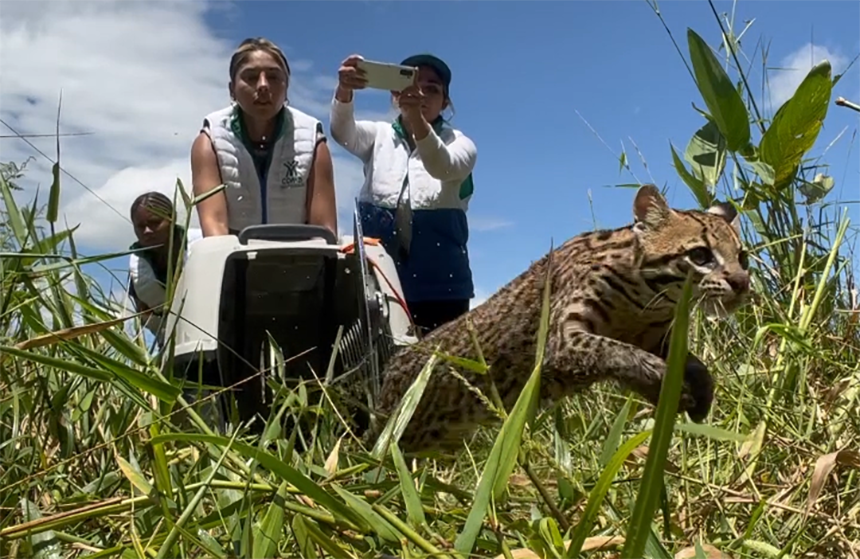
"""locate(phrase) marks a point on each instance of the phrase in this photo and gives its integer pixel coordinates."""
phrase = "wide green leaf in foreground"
(724, 103)
(796, 124)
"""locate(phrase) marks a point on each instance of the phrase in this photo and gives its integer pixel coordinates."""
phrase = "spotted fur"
(613, 296)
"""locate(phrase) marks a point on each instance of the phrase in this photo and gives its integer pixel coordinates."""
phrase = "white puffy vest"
(284, 198)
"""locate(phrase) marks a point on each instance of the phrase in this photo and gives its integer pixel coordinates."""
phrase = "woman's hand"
(349, 78)
(409, 100)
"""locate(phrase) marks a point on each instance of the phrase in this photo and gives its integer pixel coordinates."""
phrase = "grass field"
(98, 458)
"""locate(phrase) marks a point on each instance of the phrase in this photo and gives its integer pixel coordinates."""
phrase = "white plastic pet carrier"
(297, 284)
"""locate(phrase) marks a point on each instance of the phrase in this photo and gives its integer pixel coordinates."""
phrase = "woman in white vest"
(273, 158)
(417, 187)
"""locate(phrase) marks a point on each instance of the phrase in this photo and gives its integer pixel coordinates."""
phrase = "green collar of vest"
(237, 124)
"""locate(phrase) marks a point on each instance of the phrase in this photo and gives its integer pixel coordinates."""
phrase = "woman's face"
(430, 84)
(150, 228)
(260, 85)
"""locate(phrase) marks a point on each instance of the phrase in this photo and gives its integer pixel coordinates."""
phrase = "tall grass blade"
(664, 421)
(505, 450)
(274, 465)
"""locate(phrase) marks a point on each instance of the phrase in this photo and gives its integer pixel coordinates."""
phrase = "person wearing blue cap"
(417, 186)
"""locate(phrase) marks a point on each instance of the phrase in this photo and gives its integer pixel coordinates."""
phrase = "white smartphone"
(390, 77)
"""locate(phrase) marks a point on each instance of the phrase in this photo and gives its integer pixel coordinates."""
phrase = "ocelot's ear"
(727, 212)
(650, 209)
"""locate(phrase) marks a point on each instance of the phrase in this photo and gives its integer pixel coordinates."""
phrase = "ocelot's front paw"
(698, 394)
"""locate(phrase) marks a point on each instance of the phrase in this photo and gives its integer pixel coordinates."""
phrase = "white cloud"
(486, 223)
(138, 76)
(787, 75)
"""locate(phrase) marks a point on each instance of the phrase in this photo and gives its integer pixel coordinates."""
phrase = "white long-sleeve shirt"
(147, 287)
(438, 167)
(437, 177)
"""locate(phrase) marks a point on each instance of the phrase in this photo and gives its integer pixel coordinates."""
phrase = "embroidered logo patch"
(290, 176)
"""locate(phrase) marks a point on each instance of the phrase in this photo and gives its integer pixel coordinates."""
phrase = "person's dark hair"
(246, 47)
(155, 201)
(435, 63)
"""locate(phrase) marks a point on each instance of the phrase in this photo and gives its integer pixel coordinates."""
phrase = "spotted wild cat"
(613, 296)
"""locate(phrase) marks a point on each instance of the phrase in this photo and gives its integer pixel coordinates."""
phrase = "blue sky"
(526, 77)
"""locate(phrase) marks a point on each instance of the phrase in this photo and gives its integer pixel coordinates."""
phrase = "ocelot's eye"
(744, 260)
(700, 256)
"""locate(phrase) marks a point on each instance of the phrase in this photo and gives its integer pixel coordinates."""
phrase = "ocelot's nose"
(739, 281)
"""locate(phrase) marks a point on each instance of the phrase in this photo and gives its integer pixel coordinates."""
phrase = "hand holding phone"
(350, 76)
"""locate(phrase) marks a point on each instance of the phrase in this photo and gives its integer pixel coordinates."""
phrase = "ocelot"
(613, 297)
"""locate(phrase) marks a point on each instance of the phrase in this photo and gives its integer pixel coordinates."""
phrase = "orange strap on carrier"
(346, 249)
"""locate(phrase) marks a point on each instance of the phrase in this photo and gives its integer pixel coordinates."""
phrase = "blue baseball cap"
(434, 62)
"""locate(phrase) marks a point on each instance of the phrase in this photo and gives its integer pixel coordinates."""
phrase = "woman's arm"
(355, 137)
(446, 162)
(322, 204)
(205, 176)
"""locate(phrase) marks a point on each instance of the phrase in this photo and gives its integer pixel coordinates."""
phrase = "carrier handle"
(279, 232)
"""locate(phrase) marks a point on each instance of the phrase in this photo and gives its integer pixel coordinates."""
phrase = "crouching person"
(161, 244)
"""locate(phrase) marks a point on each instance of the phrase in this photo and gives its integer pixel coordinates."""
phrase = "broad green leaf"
(399, 420)
(54, 194)
(706, 153)
(135, 476)
(44, 545)
(654, 548)
(303, 539)
(697, 187)
(764, 171)
(796, 124)
(726, 107)
(614, 437)
(325, 541)
(268, 533)
(13, 213)
(754, 518)
(407, 487)
(548, 530)
(373, 520)
(409, 534)
(711, 432)
(162, 472)
(462, 362)
(820, 186)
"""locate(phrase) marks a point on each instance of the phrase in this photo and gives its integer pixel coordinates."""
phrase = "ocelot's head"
(704, 243)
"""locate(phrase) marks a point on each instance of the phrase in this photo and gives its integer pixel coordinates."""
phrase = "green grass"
(100, 457)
